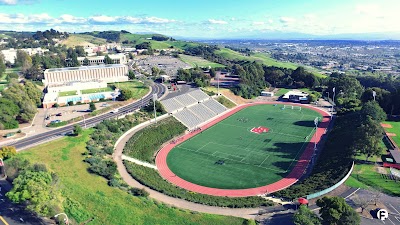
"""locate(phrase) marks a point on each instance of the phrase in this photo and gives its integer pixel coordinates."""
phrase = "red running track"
(290, 179)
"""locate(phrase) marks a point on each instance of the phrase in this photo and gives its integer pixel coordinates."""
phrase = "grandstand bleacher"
(188, 118)
(193, 108)
(199, 95)
(215, 106)
(172, 105)
(186, 99)
(202, 112)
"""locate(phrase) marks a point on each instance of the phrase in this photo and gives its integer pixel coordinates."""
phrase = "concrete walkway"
(146, 164)
(248, 213)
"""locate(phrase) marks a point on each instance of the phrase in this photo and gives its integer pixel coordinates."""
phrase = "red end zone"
(290, 179)
(259, 130)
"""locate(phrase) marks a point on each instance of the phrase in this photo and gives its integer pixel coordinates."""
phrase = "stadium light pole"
(218, 85)
(334, 93)
(374, 94)
(154, 105)
(316, 132)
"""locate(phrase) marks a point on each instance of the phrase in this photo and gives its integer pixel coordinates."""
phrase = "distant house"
(267, 93)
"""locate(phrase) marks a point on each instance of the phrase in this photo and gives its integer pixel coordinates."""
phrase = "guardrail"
(325, 191)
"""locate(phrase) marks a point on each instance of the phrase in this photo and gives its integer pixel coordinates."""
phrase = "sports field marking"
(233, 160)
(264, 160)
(301, 149)
(202, 146)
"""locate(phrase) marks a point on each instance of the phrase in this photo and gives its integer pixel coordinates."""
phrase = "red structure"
(259, 130)
(290, 179)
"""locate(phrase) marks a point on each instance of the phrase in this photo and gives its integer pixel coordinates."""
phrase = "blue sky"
(203, 18)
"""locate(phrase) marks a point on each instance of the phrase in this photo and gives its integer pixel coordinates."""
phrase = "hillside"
(83, 40)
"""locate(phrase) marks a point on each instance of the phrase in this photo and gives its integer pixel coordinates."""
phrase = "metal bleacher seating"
(215, 106)
(202, 112)
(193, 108)
(172, 105)
(188, 118)
(199, 95)
(186, 99)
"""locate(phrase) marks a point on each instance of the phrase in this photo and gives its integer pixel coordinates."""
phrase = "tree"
(92, 106)
(345, 86)
(34, 73)
(306, 217)
(363, 203)
(77, 130)
(108, 60)
(18, 94)
(368, 138)
(33, 92)
(126, 94)
(155, 71)
(2, 65)
(383, 97)
(334, 210)
(37, 189)
(86, 62)
(131, 75)
(23, 60)
(7, 152)
(8, 113)
(372, 109)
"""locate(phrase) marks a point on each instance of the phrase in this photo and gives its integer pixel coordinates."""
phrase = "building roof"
(101, 57)
(85, 67)
(396, 155)
(297, 93)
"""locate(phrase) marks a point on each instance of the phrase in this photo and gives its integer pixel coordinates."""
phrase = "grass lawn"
(2, 86)
(97, 90)
(139, 88)
(365, 175)
(82, 40)
(200, 62)
(264, 59)
(93, 198)
(248, 159)
(282, 91)
(66, 93)
(395, 129)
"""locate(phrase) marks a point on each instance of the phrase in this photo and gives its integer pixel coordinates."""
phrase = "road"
(157, 88)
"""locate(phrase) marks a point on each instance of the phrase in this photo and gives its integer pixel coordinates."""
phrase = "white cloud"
(212, 21)
(66, 18)
(287, 20)
(103, 19)
(8, 2)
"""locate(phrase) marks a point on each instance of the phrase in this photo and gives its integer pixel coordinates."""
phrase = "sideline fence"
(325, 191)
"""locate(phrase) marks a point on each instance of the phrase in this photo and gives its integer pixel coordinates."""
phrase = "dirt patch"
(385, 125)
(237, 99)
(391, 134)
(381, 170)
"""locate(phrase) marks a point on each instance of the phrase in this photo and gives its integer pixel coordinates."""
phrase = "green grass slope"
(89, 196)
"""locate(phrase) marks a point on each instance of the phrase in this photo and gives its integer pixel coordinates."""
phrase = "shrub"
(138, 192)
(152, 179)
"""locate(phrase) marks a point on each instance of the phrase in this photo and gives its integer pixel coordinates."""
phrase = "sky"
(204, 18)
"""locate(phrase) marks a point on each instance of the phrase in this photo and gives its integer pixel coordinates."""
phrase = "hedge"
(144, 143)
(150, 177)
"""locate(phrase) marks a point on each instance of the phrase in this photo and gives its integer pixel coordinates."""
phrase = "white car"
(114, 111)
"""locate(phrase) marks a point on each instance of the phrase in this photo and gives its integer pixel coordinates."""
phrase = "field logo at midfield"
(259, 130)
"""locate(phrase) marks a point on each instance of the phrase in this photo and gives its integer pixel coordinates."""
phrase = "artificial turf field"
(229, 156)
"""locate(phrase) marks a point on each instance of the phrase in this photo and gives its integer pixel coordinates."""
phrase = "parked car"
(115, 111)
(59, 114)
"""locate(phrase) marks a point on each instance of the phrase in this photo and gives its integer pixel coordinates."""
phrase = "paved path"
(146, 164)
(243, 212)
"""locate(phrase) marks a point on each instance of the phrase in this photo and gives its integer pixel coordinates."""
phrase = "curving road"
(157, 88)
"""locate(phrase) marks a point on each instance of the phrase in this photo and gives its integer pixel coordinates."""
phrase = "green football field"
(229, 156)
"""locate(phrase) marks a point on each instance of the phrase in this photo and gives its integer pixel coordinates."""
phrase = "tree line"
(18, 103)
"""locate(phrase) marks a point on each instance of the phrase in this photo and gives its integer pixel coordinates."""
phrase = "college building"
(98, 60)
(76, 79)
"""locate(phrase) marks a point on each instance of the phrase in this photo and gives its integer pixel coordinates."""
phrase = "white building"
(11, 54)
(97, 60)
(101, 73)
(296, 96)
(81, 78)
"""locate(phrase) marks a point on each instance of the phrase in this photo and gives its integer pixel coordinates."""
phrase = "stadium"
(252, 149)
